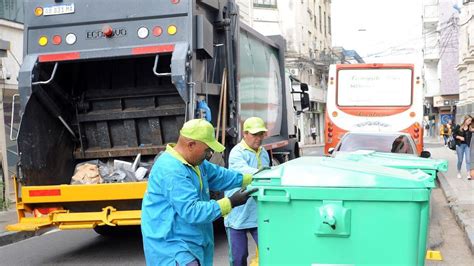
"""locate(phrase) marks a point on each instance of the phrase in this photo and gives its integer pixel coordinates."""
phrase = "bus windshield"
(374, 87)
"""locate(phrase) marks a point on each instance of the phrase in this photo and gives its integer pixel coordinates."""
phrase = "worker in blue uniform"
(177, 212)
(246, 157)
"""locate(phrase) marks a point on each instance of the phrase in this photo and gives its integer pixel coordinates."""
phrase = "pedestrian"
(432, 127)
(177, 212)
(471, 174)
(246, 157)
(462, 134)
(445, 132)
(313, 133)
(426, 124)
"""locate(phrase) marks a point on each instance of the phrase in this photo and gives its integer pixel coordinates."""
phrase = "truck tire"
(294, 149)
(114, 231)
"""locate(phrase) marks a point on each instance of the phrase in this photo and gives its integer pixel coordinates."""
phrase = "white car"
(395, 142)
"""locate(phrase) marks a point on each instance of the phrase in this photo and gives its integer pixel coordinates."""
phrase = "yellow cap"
(201, 130)
(254, 125)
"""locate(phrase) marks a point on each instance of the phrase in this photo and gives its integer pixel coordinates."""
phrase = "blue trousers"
(238, 245)
(463, 151)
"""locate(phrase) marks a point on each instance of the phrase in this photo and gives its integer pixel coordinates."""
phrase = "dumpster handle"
(275, 198)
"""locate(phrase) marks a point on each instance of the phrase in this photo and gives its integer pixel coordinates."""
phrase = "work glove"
(241, 196)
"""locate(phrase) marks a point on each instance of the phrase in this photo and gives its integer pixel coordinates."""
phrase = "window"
(329, 25)
(265, 3)
(11, 10)
(325, 23)
(320, 24)
(361, 87)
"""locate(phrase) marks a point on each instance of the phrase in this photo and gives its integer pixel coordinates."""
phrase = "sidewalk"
(6, 237)
(458, 192)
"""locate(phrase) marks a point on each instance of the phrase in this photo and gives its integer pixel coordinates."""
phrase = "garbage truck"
(109, 80)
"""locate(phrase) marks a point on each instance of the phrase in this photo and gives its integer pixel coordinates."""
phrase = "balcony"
(431, 55)
(430, 16)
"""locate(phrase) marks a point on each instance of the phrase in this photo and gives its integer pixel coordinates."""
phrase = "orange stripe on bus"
(373, 111)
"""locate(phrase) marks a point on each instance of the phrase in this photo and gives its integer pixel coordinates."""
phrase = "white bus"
(374, 98)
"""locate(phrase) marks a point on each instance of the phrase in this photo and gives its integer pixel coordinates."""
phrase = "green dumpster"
(397, 160)
(324, 211)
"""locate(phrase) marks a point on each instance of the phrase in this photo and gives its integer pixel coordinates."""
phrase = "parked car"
(395, 142)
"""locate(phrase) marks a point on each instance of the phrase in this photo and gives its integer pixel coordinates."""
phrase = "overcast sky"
(379, 30)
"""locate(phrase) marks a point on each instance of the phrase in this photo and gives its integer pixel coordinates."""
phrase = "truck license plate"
(58, 10)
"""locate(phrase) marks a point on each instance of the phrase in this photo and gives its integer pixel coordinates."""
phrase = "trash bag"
(86, 173)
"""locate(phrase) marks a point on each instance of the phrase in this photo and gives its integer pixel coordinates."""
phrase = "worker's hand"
(240, 197)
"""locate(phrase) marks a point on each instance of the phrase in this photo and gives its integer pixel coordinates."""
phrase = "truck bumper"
(54, 197)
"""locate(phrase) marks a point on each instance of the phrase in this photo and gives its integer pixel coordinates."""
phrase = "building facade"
(465, 67)
(306, 26)
(11, 54)
(440, 58)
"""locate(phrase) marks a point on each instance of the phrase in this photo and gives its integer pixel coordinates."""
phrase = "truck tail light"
(142, 33)
(57, 39)
(39, 212)
(175, 2)
(172, 29)
(43, 40)
(157, 31)
(71, 38)
(38, 11)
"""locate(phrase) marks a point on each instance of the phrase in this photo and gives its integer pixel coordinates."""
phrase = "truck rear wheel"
(112, 231)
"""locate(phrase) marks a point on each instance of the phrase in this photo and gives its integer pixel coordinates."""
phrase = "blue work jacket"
(244, 159)
(177, 212)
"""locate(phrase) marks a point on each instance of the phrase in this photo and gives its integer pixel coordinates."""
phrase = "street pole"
(3, 145)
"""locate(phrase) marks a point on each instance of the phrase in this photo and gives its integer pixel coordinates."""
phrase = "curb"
(457, 212)
(7, 238)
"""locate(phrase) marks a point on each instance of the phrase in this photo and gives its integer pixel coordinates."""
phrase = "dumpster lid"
(397, 160)
(333, 172)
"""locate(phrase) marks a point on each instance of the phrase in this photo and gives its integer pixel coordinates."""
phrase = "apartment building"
(465, 67)
(11, 54)
(440, 58)
(306, 26)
